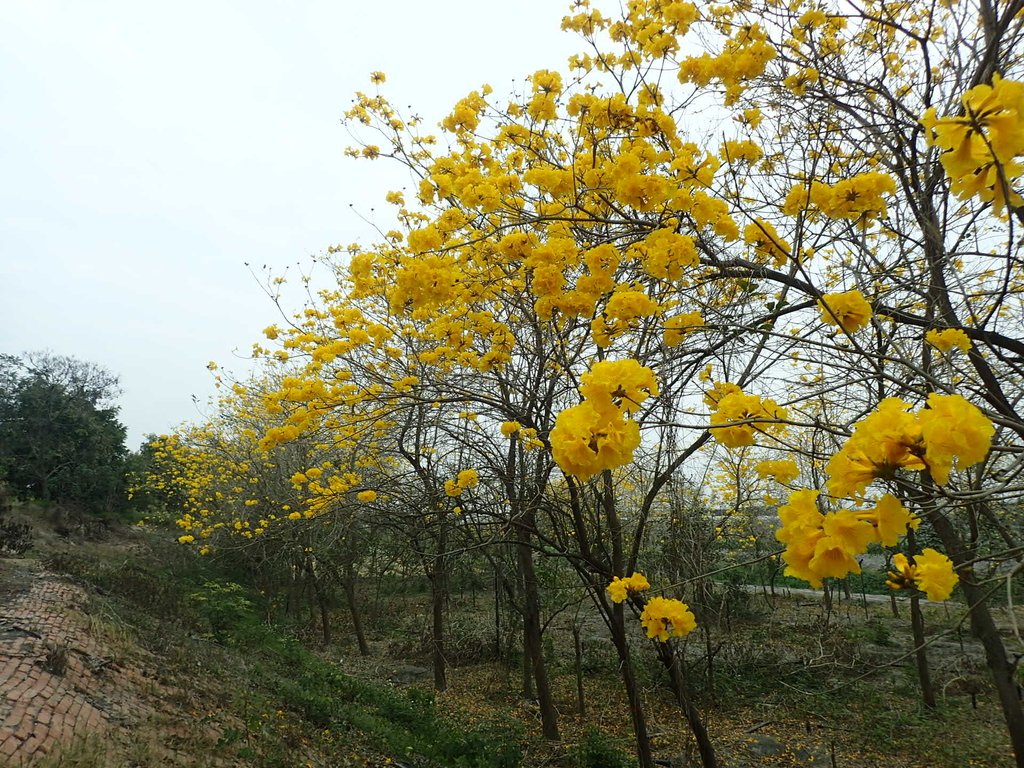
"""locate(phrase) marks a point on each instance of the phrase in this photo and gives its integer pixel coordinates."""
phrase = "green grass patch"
(282, 676)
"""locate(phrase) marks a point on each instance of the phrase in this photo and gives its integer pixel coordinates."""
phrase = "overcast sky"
(148, 150)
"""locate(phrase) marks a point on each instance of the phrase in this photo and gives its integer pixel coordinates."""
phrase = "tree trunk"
(636, 705)
(672, 663)
(322, 603)
(532, 645)
(984, 628)
(577, 644)
(921, 652)
(497, 615)
(438, 595)
(438, 598)
(618, 626)
(349, 586)
(917, 629)
(325, 613)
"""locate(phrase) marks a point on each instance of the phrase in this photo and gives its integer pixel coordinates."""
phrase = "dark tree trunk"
(497, 615)
(618, 627)
(983, 627)
(438, 598)
(636, 705)
(351, 598)
(322, 605)
(917, 629)
(577, 644)
(700, 733)
(921, 652)
(532, 644)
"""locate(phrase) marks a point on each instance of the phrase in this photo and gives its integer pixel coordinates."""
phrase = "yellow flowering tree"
(817, 279)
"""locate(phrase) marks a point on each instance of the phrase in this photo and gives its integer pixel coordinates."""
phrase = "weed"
(56, 659)
(89, 751)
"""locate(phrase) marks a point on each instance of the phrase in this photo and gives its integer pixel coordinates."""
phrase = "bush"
(224, 606)
(598, 751)
(15, 538)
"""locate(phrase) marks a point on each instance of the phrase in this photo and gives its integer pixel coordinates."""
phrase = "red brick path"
(56, 684)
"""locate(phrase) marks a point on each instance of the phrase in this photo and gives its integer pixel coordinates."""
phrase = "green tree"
(60, 439)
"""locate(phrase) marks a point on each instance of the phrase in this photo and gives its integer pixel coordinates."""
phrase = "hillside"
(129, 651)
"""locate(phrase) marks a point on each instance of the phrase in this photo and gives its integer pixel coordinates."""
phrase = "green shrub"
(224, 606)
(599, 751)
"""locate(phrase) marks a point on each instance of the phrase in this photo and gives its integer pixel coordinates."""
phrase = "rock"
(761, 745)
(408, 674)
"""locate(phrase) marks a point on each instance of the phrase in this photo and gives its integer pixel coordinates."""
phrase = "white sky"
(148, 150)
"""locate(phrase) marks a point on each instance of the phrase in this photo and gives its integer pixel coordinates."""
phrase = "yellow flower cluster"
(981, 148)
(849, 310)
(596, 434)
(614, 386)
(620, 589)
(949, 429)
(745, 151)
(931, 572)
(800, 80)
(467, 478)
(664, 617)
(858, 198)
(679, 326)
(744, 57)
(948, 338)
(826, 546)
(767, 243)
(784, 471)
(738, 417)
(526, 435)
(953, 430)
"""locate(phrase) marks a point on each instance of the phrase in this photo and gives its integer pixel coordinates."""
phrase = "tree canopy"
(60, 439)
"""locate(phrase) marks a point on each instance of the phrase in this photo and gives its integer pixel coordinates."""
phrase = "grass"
(236, 691)
(90, 751)
(210, 639)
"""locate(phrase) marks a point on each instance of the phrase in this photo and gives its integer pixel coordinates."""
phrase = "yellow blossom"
(585, 441)
(953, 429)
(935, 575)
(884, 441)
(619, 589)
(739, 416)
(890, 519)
(982, 147)
(784, 471)
(468, 478)
(664, 618)
(931, 572)
(621, 385)
(677, 327)
(849, 310)
(947, 339)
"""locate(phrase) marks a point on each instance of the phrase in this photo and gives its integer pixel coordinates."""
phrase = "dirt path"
(57, 683)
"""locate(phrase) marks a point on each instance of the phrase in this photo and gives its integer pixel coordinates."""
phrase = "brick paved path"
(56, 682)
